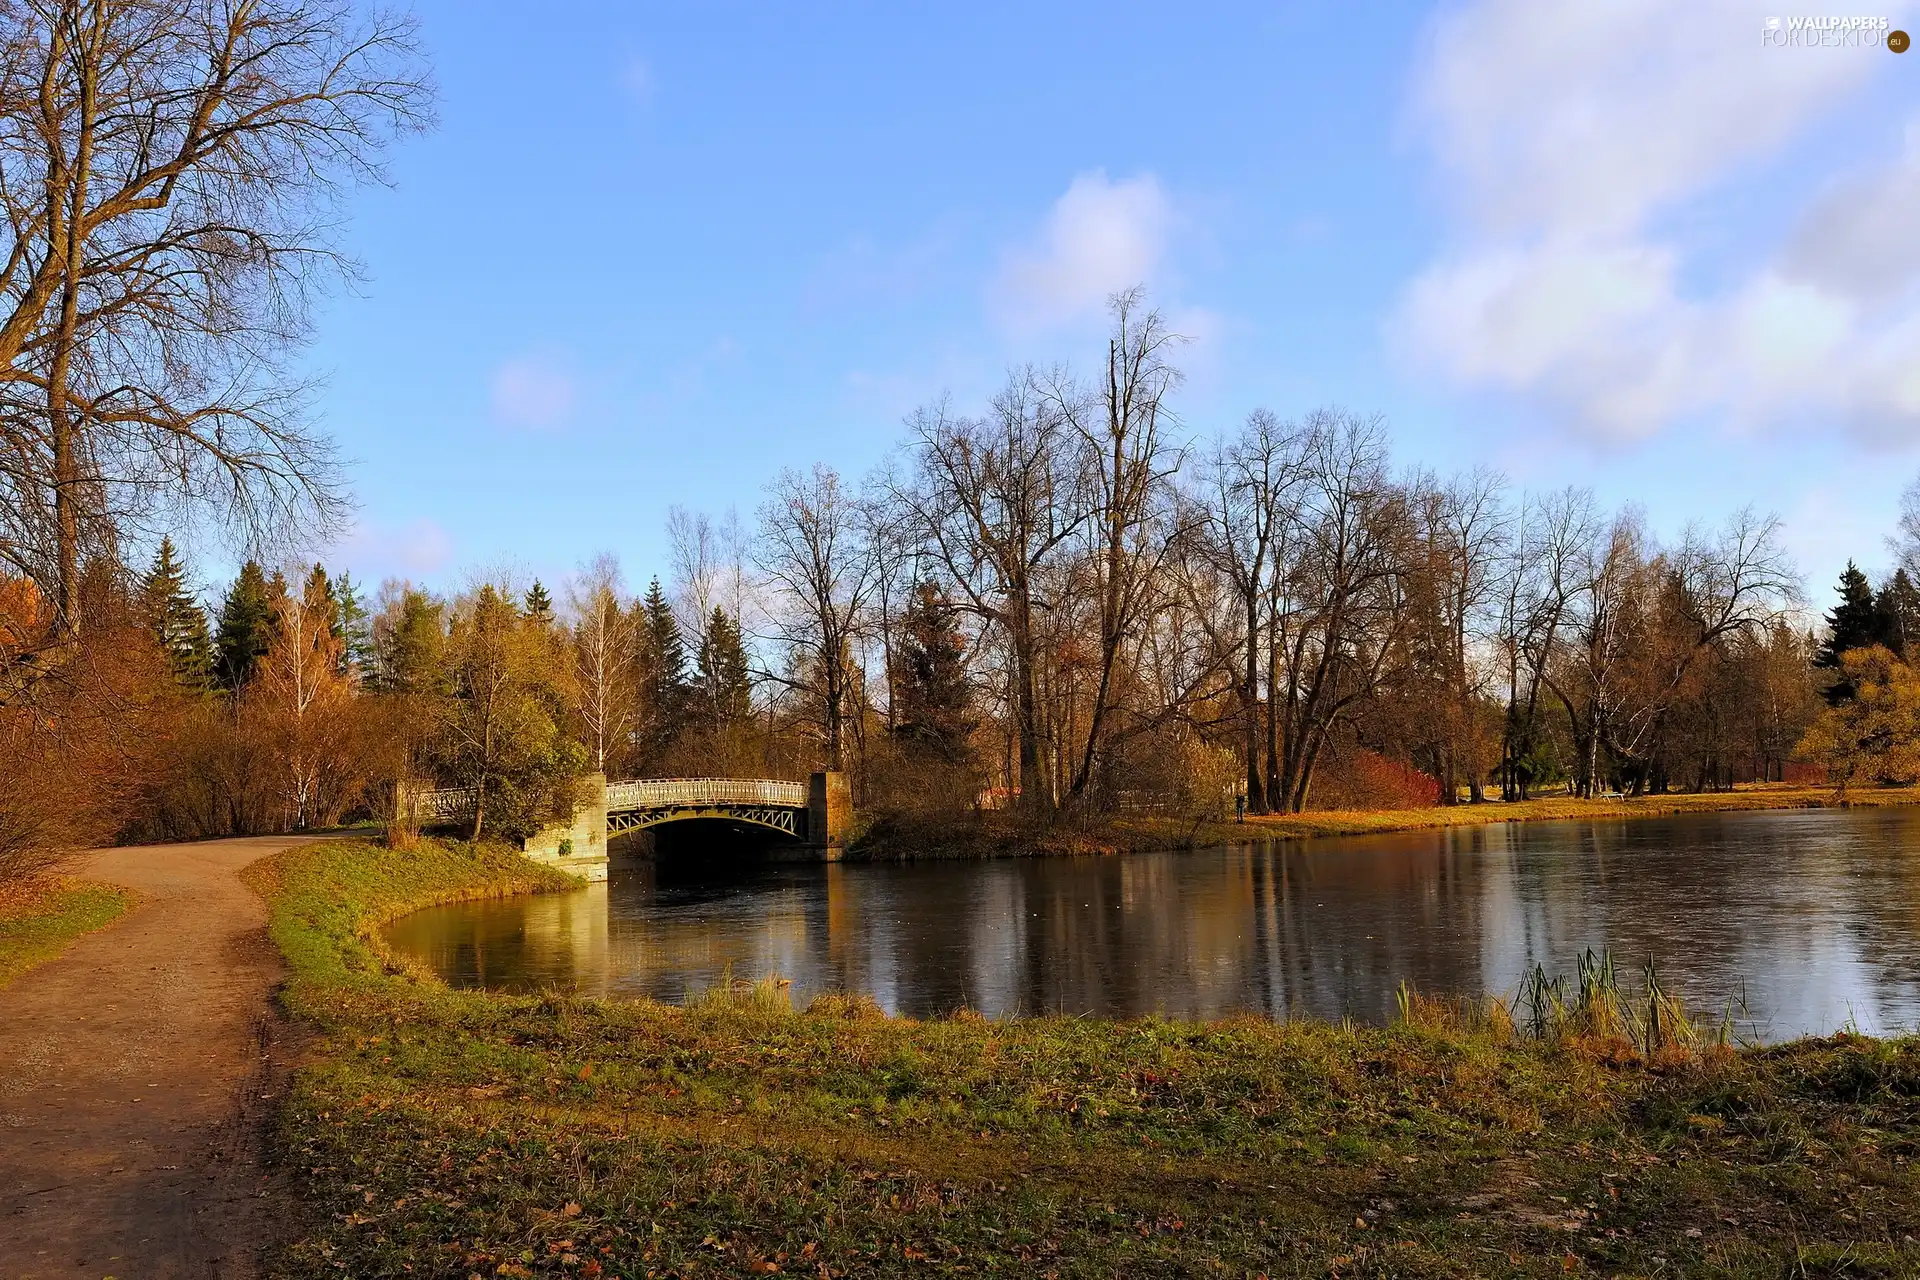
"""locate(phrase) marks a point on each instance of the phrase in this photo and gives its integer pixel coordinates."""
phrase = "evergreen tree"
(354, 625)
(725, 683)
(177, 621)
(1854, 623)
(317, 592)
(246, 625)
(662, 674)
(539, 605)
(410, 645)
(930, 677)
(1897, 613)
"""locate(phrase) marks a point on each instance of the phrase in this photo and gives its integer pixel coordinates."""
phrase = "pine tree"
(539, 605)
(1851, 624)
(662, 675)
(725, 683)
(354, 625)
(177, 621)
(246, 625)
(930, 677)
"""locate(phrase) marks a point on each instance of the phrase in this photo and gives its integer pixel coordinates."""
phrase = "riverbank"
(460, 1134)
(40, 918)
(996, 835)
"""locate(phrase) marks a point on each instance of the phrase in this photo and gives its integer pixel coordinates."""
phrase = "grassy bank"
(1004, 835)
(40, 918)
(438, 1133)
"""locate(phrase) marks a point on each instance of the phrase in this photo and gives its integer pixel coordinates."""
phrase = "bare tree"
(1123, 426)
(1462, 527)
(1906, 545)
(300, 688)
(1248, 496)
(603, 655)
(1338, 607)
(1542, 582)
(170, 178)
(995, 501)
(815, 557)
(1735, 581)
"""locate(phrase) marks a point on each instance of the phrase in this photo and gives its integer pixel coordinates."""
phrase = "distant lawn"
(1752, 796)
(1013, 835)
(39, 919)
(459, 1134)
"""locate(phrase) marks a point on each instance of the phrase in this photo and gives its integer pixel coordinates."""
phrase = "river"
(1804, 920)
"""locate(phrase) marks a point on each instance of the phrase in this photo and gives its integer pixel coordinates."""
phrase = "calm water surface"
(1807, 918)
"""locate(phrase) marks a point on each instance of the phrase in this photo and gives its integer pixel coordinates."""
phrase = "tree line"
(1063, 600)
(1063, 603)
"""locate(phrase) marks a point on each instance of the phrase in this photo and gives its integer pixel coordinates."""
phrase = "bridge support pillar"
(829, 814)
(579, 846)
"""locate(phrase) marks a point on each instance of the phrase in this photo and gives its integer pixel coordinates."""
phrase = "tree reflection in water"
(1809, 915)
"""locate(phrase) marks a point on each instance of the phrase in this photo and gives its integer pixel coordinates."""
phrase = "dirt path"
(132, 1070)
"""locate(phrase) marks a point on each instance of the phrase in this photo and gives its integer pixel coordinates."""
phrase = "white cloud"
(1589, 116)
(534, 391)
(1567, 134)
(1859, 237)
(1100, 237)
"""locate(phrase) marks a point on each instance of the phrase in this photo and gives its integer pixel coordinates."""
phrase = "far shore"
(1001, 835)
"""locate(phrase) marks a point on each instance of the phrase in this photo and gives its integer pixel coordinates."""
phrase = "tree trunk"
(1250, 698)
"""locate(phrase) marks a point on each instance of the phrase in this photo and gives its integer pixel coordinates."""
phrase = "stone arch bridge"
(814, 816)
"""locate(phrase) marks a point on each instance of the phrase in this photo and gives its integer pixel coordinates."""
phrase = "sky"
(652, 254)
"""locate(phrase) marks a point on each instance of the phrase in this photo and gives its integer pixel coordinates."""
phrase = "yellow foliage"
(1875, 736)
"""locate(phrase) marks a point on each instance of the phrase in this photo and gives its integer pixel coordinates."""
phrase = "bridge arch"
(816, 814)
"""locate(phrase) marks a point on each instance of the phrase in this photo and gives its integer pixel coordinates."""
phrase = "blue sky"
(652, 254)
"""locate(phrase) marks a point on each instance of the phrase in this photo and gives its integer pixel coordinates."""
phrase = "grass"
(443, 1133)
(40, 918)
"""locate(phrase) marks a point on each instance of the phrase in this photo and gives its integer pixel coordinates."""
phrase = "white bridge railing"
(444, 805)
(652, 793)
(661, 793)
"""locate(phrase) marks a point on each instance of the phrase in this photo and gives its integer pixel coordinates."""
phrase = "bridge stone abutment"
(579, 845)
(829, 814)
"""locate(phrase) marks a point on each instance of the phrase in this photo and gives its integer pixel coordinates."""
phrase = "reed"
(1651, 1022)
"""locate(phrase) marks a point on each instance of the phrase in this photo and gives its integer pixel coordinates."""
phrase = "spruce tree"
(177, 621)
(539, 605)
(1851, 624)
(354, 625)
(725, 682)
(662, 675)
(930, 677)
(246, 625)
